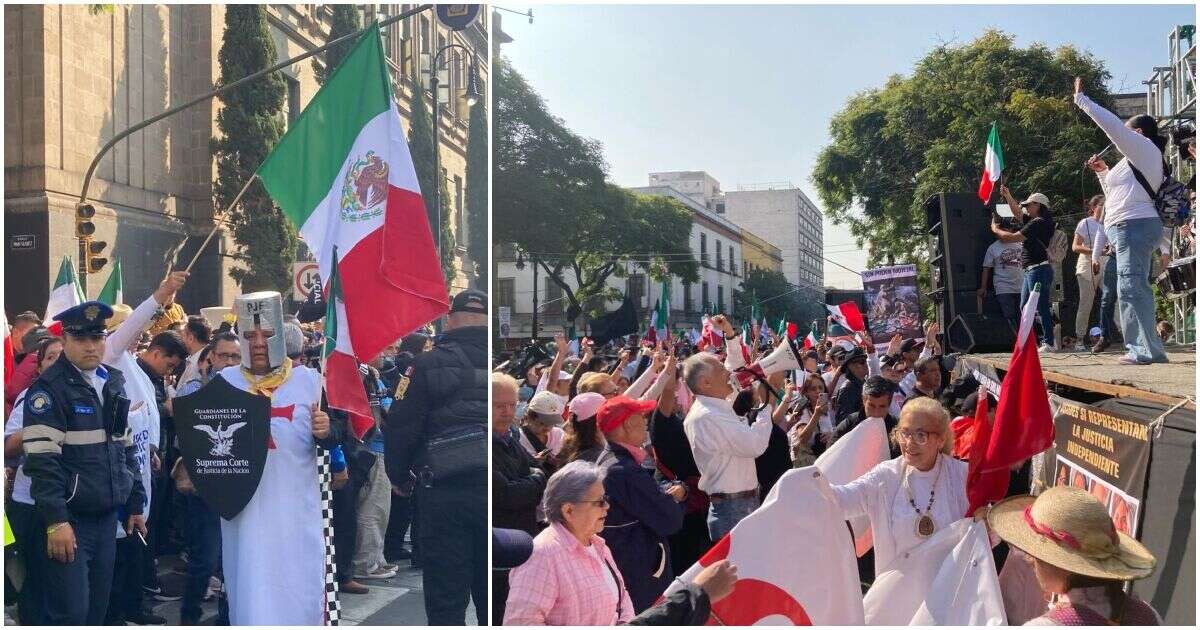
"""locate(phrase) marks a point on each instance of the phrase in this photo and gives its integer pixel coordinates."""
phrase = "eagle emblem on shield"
(365, 188)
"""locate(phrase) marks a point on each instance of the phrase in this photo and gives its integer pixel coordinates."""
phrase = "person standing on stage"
(80, 459)
(437, 427)
(274, 550)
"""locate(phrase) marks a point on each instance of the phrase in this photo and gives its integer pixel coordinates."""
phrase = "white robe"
(274, 550)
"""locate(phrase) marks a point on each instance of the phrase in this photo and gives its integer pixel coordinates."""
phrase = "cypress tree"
(477, 194)
(250, 124)
(421, 147)
(343, 22)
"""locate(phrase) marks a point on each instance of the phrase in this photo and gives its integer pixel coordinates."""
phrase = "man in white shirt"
(1085, 235)
(723, 444)
(1002, 263)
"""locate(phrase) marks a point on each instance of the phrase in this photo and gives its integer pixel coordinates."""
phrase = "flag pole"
(218, 222)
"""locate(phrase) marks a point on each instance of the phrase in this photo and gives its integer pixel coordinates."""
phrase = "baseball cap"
(1038, 197)
(469, 301)
(546, 402)
(856, 354)
(615, 411)
(584, 406)
(510, 548)
(911, 344)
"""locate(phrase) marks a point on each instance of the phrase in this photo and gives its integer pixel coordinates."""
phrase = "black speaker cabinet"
(959, 235)
(970, 332)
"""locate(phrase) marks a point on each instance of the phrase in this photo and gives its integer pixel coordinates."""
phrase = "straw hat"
(1070, 529)
(121, 312)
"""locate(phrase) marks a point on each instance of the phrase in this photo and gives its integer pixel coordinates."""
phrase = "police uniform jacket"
(439, 393)
(78, 448)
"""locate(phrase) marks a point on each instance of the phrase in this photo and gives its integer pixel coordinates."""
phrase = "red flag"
(792, 330)
(848, 315)
(1024, 426)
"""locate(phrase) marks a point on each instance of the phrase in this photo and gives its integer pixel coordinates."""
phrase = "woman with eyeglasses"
(915, 495)
(571, 579)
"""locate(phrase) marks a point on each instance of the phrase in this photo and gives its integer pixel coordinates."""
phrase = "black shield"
(223, 433)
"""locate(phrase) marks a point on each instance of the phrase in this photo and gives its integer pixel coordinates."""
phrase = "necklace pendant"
(925, 526)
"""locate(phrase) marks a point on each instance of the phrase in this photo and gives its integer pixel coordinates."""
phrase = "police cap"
(469, 301)
(85, 319)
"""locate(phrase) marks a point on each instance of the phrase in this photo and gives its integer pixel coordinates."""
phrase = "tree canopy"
(895, 146)
(477, 195)
(344, 21)
(250, 125)
(551, 200)
(778, 299)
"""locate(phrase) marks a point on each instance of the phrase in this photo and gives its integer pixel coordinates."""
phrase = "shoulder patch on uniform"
(39, 402)
(402, 384)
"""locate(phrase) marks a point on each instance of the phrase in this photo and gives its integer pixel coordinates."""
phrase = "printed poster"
(893, 303)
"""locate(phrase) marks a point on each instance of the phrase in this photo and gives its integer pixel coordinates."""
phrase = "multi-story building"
(75, 77)
(699, 185)
(716, 244)
(785, 217)
(757, 253)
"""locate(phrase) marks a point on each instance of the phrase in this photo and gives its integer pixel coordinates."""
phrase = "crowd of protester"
(622, 465)
(179, 557)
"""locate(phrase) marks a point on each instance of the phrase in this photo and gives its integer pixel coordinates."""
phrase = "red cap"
(615, 411)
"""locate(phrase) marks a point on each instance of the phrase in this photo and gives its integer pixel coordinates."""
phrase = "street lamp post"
(472, 98)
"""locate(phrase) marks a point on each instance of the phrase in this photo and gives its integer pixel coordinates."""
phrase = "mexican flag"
(343, 383)
(63, 296)
(993, 165)
(847, 316)
(114, 289)
(662, 310)
(344, 176)
(812, 339)
(1024, 425)
(651, 336)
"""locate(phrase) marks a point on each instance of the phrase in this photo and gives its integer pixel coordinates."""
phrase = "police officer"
(437, 428)
(80, 458)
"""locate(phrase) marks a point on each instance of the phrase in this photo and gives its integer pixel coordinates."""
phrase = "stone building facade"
(74, 78)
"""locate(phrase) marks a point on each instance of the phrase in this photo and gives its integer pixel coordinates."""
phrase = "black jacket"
(444, 394)
(848, 399)
(517, 485)
(640, 518)
(847, 425)
(78, 448)
(688, 606)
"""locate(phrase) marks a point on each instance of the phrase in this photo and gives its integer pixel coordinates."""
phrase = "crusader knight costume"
(274, 550)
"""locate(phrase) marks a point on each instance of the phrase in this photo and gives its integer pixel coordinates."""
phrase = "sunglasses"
(601, 502)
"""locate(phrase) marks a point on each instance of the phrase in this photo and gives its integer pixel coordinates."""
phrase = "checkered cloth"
(333, 607)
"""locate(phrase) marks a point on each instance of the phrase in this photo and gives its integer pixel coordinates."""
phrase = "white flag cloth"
(794, 560)
(948, 580)
(852, 456)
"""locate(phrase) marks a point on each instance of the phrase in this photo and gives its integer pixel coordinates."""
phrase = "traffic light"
(84, 227)
(93, 262)
(89, 250)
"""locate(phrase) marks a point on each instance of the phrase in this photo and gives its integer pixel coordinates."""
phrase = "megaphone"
(785, 357)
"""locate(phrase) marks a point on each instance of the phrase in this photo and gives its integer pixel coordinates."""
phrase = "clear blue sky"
(746, 92)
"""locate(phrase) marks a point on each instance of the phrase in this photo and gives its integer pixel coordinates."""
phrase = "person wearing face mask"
(912, 496)
(1131, 222)
(642, 514)
(723, 444)
(276, 575)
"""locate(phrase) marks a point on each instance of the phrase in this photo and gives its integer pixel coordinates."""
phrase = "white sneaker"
(378, 573)
(1046, 349)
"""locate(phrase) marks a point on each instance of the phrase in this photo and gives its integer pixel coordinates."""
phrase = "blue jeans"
(723, 515)
(1134, 242)
(1043, 274)
(204, 556)
(1108, 301)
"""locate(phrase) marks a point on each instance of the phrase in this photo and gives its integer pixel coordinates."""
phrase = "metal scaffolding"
(1171, 98)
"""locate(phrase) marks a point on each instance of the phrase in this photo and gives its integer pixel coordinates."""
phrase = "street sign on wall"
(305, 277)
(457, 17)
(22, 242)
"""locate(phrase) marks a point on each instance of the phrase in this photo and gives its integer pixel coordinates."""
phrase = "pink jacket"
(562, 584)
(22, 377)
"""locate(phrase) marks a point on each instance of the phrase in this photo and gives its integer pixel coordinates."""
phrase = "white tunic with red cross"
(274, 550)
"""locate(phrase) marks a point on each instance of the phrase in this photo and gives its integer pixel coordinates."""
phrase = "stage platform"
(1165, 383)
